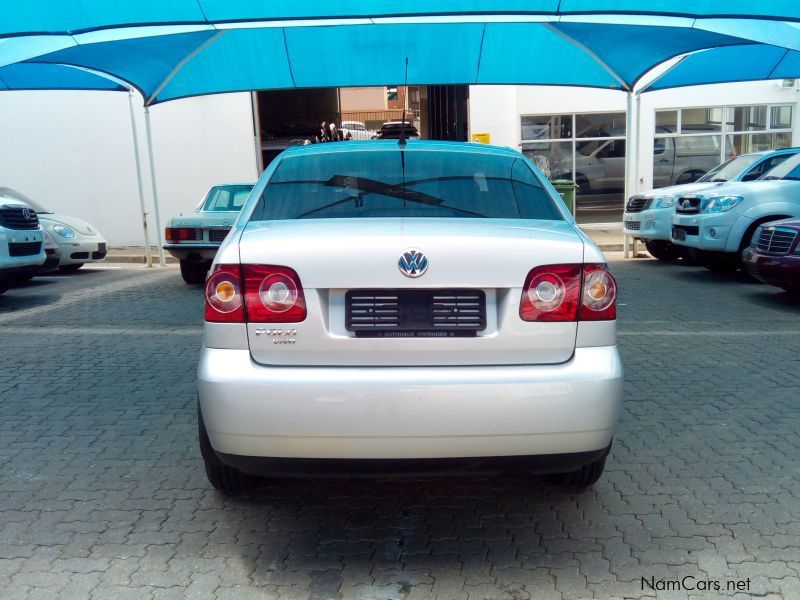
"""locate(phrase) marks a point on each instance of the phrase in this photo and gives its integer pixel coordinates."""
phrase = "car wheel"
(21, 279)
(70, 268)
(224, 478)
(719, 262)
(662, 250)
(584, 477)
(194, 272)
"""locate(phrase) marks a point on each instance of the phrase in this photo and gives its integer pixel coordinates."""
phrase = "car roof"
(411, 145)
(792, 150)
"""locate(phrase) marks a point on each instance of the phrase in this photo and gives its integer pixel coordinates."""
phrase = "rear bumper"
(194, 252)
(409, 412)
(780, 271)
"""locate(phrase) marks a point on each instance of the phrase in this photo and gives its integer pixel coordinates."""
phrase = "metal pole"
(148, 255)
(161, 260)
(257, 133)
(628, 161)
(636, 178)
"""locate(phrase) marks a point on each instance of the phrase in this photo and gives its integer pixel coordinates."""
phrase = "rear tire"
(662, 250)
(224, 478)
(194, 273)
(70, 268)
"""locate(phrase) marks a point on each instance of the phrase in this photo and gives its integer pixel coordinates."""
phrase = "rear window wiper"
(371, 186)
(769, 178)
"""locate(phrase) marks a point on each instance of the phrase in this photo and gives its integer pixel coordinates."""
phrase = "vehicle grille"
(638, 204)
(415, 313)
(776, 240)
(217, 235)
(24, 249)
(15, 218)
(633, 225)
(688, 205)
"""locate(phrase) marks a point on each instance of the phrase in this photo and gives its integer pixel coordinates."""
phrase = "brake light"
(551, 293)
(599, 298)
(273, 294)
(569, 292)
(224, 297)
(182, 234)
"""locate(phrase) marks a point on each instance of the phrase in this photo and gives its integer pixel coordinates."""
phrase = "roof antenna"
(402, 140)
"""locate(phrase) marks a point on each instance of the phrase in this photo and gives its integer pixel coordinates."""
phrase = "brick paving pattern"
(102, 491)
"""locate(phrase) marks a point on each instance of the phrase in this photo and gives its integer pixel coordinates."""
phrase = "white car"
(21, 240)
(194, 239)
(719, 224)
(356, 130)
(78, 241)
(648, 216)
(385, 307)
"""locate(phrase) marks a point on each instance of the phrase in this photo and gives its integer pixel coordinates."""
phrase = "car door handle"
(663, 160)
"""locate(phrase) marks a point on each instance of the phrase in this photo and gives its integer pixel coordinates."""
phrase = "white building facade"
(73, 151)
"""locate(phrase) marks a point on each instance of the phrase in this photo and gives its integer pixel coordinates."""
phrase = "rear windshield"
(411, 183)
(226, 198)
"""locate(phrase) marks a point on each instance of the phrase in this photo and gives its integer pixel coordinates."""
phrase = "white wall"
(73, 152)
(497, 109)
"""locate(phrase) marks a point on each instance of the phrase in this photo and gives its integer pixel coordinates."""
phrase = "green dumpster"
(566, 189)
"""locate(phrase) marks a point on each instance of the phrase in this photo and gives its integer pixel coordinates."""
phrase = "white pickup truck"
(195, 239)
(21, 240)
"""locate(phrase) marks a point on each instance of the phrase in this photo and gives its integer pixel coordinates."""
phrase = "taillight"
(599, 298)
(182, 234)
(224, 297)
(569, 292)
(551, 293)
(273, 294)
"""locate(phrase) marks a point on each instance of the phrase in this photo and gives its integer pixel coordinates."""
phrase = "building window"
(688, 141)
(391, 93)
(588, 148)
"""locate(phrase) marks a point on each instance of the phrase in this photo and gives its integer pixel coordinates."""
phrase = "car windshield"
(789, 169)
(226, 198)
(391, 182)
(730, 168)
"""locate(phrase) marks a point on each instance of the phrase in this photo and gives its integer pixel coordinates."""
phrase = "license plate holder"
(678, 233)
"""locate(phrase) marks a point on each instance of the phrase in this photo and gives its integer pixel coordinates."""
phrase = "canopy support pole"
(629, 162)
(147, 253)
(161, 259)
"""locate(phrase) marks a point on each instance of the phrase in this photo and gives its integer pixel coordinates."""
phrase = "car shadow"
(403, 532)
(773, 297)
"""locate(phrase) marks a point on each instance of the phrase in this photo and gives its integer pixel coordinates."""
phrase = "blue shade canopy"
(32, 76)
(731, 64)
(60, 17)
(166, 67)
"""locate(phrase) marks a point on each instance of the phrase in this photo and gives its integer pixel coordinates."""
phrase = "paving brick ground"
(102, 493)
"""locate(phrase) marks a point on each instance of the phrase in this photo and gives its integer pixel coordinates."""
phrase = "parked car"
(356, 130)
(78, 241)
(52, 257)
(648, 216)
(194, 239)
(393, 129)
(382, 307)
(774, 255)
(21, 240)
(719, 224)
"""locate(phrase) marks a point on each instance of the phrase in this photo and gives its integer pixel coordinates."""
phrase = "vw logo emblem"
(26, 214)
(413, 262)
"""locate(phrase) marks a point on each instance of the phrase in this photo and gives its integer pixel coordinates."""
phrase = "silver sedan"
(392, 306)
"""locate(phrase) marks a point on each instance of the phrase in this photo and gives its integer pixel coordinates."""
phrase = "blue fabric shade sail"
(59, 17)
(32, 76)
(166, 67)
